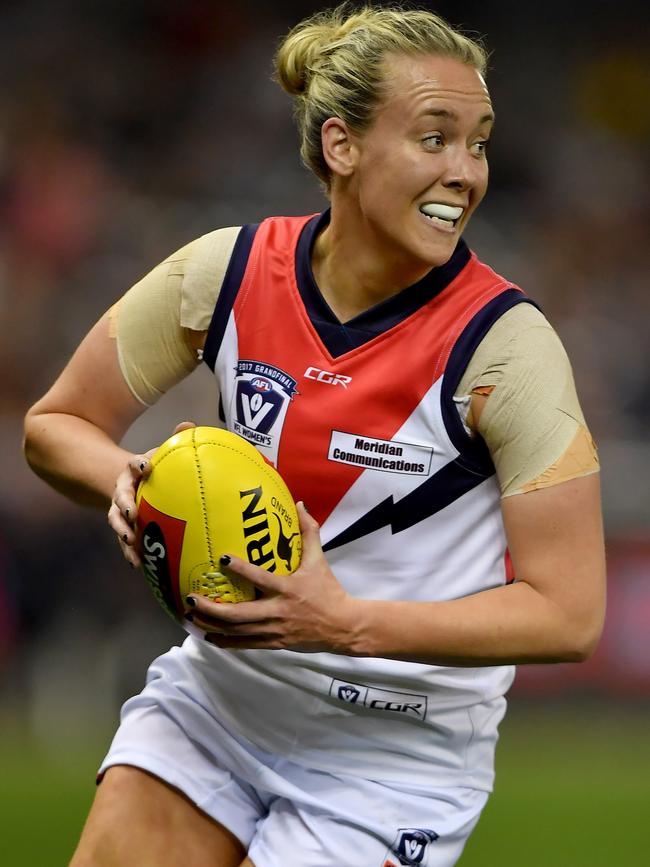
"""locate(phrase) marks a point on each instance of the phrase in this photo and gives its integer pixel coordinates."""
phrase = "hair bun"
(298, 54)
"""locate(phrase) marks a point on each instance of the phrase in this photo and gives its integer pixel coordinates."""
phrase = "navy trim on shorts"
(474, 452)
(228, 292)
(341, 337)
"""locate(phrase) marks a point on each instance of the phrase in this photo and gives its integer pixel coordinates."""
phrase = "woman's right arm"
(71, 433)
(149, 342)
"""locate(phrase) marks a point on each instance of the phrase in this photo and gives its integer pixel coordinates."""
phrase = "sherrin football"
(209, 493)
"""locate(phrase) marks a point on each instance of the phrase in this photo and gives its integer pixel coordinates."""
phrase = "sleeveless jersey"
(360, 420)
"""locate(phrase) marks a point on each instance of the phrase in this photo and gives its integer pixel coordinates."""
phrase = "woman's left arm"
(553, 612)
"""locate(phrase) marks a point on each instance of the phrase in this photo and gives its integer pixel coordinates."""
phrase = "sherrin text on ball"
(211, 493)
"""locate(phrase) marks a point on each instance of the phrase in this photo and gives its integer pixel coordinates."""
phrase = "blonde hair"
(331, 63)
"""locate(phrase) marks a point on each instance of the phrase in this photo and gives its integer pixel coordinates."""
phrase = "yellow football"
(210, 493)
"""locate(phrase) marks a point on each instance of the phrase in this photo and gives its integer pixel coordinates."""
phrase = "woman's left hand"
(308, 611)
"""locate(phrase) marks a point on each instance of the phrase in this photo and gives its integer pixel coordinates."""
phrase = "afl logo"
(260, 400)
(259, 383)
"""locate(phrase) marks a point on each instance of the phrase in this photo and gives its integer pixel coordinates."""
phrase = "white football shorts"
(285, 815)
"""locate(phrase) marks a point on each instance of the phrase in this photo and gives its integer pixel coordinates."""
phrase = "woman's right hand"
(123, 512)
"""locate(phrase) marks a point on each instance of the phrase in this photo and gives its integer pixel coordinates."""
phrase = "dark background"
(129, 128)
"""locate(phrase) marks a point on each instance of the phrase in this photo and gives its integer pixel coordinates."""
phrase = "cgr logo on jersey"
(327, 377)
(261, 398)
(410, 847)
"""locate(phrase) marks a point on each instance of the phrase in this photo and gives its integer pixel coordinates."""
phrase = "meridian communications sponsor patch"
(389, 456)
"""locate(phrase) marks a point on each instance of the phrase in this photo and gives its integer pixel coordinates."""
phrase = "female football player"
(423, 409)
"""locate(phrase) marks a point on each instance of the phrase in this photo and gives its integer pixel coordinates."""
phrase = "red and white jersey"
(360, 420)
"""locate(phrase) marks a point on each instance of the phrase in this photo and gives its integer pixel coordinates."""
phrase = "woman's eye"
(480, 147)
(433, 141)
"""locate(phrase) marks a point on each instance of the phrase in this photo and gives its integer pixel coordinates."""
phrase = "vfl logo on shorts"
(261, 398)
(348, 693)
(410, 847)
(387, 700)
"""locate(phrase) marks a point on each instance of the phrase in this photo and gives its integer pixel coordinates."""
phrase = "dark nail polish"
(127, 512)
(142, 465)
(225, 559)
(189, 616)
(189, 600)
(124, 537)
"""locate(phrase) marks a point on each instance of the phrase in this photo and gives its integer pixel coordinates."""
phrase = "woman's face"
(421, 168)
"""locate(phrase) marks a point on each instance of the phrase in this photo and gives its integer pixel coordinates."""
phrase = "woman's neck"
(353, 274)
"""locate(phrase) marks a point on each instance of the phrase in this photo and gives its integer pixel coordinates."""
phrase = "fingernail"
(189, 616)
(127, 512)
(132, 565)
(124, 537)
(191, 601)
(225, 559)
(143, 465)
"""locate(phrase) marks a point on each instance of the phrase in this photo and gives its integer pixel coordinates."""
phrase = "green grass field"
(573, 790)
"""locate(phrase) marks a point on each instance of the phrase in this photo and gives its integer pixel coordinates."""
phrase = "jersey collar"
(341, 337)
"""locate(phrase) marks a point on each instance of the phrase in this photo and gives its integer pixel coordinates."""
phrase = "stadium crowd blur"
(128, 129)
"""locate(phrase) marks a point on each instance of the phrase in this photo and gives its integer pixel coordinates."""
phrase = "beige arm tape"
(532, 422)
(151, 321)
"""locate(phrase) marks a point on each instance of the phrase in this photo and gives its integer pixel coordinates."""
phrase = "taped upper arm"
(152, 347)
(530, 416)
(160, 323)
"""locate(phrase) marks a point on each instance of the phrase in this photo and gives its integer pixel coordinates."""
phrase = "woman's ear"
(339, 149)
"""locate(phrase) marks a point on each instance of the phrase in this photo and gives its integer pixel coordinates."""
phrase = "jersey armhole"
(228, 292)
(474, 453)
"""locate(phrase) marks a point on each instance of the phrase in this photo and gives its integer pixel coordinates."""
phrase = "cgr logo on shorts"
(410, 847)
(386, 700)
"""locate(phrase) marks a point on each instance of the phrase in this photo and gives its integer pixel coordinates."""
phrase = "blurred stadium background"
(130, 127)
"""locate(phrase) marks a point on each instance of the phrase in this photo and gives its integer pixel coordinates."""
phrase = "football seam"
(203, 506)
(262, 466)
